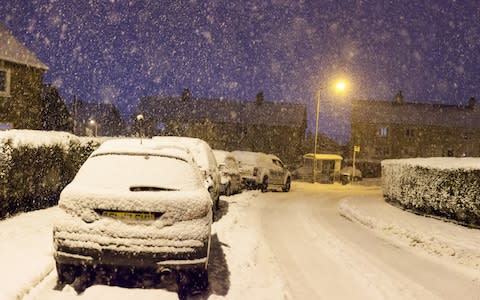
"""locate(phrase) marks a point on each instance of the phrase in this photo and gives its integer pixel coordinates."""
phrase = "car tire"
(228, 190)
(192, 282)
(264, 185)
(66, 273)
(286, 187)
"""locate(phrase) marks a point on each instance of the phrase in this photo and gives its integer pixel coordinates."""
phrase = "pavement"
(422, 234)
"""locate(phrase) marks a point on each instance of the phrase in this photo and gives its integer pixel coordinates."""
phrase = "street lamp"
(93, 123)
(340, 86)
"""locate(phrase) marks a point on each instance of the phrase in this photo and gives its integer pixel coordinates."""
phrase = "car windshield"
(137, 171)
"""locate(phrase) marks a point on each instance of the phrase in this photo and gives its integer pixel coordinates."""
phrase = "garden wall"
(445, 187)
(36, 165)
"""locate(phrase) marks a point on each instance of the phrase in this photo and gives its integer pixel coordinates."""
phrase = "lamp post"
(340, 86)
(94, 124)
(314, 177)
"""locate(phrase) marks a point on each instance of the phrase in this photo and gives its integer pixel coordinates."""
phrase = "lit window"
(383, 131)
(4, 82)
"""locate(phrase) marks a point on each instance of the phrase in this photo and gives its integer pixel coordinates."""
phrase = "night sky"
(119, 51)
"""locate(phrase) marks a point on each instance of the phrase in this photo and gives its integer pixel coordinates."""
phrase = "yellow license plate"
(128, 215)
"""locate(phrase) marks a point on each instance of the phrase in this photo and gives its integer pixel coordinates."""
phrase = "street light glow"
(340, 85)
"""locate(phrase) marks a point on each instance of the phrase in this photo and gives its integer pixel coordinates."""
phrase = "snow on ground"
(242, 264)
(451, 242)
(237, 253)
(26, 251)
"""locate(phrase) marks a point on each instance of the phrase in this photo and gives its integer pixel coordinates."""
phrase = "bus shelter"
(328, 168)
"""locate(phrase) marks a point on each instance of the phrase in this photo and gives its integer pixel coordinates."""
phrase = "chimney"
(472, 103)
(186, 94)
(399, 98)
(259, 100)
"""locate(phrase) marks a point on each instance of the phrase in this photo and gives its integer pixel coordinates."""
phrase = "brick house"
(398, 129)
(21, 80)
(277, 128)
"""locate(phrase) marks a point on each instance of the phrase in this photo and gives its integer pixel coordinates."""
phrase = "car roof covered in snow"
(200, 149)
(142, 146)
(222, 155)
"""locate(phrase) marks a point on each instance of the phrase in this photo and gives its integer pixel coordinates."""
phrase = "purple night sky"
(119, 51)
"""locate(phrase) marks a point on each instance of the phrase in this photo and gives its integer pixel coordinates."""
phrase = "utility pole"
(74, 114)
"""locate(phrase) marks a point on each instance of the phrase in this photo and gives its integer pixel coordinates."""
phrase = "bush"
(36, 166)
(445, 187)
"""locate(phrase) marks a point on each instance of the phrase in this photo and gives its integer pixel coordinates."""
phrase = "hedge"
(35, 166)
(444, 187)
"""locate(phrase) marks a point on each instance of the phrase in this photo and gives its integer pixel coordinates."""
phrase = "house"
(277, 128)
(399, 129)
(21, 79)
(96, 119)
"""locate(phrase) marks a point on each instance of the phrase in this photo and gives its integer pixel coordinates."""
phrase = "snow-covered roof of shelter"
(223, 111)
(389, 112)
(320, 156)
(14, 51)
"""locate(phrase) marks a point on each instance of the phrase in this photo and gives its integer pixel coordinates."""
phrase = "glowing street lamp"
(339, 86)
(95, 125)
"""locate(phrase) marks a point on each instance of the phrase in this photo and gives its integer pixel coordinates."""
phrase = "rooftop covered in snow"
(14, 51)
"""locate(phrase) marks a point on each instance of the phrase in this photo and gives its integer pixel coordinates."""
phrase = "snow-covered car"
(135, 205)
(262, 171)
(230, 179)
(203, 156)
(347, 174)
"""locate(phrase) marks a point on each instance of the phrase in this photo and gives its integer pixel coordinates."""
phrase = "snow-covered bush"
(36, 166)
(446, 187)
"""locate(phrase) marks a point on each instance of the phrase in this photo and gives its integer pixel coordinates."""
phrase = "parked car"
(263, 171)
(204, 157)
(230, 179)
(347, 174)
(137, 206)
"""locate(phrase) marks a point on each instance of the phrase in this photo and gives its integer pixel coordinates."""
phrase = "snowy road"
(282, 246)
(325, 256)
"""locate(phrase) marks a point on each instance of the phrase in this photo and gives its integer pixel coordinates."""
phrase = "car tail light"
(255, 171)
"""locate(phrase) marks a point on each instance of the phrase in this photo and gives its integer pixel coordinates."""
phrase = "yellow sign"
(356, 148)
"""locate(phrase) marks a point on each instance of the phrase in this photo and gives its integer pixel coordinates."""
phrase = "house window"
(4, 82)
(410, 132)
(383, 131)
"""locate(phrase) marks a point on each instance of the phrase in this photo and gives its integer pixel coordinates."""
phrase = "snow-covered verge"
(446, 187)
(451, 242)
(26, 251)
(36, 165)
(238, 251)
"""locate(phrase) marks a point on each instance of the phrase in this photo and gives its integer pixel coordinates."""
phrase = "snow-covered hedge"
(446, 187)
(36, 165)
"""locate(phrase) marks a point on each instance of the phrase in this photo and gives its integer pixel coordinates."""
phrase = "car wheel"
(264, 185)
(192, 282)
(286, 187)
(228, 190)
(66, 273)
